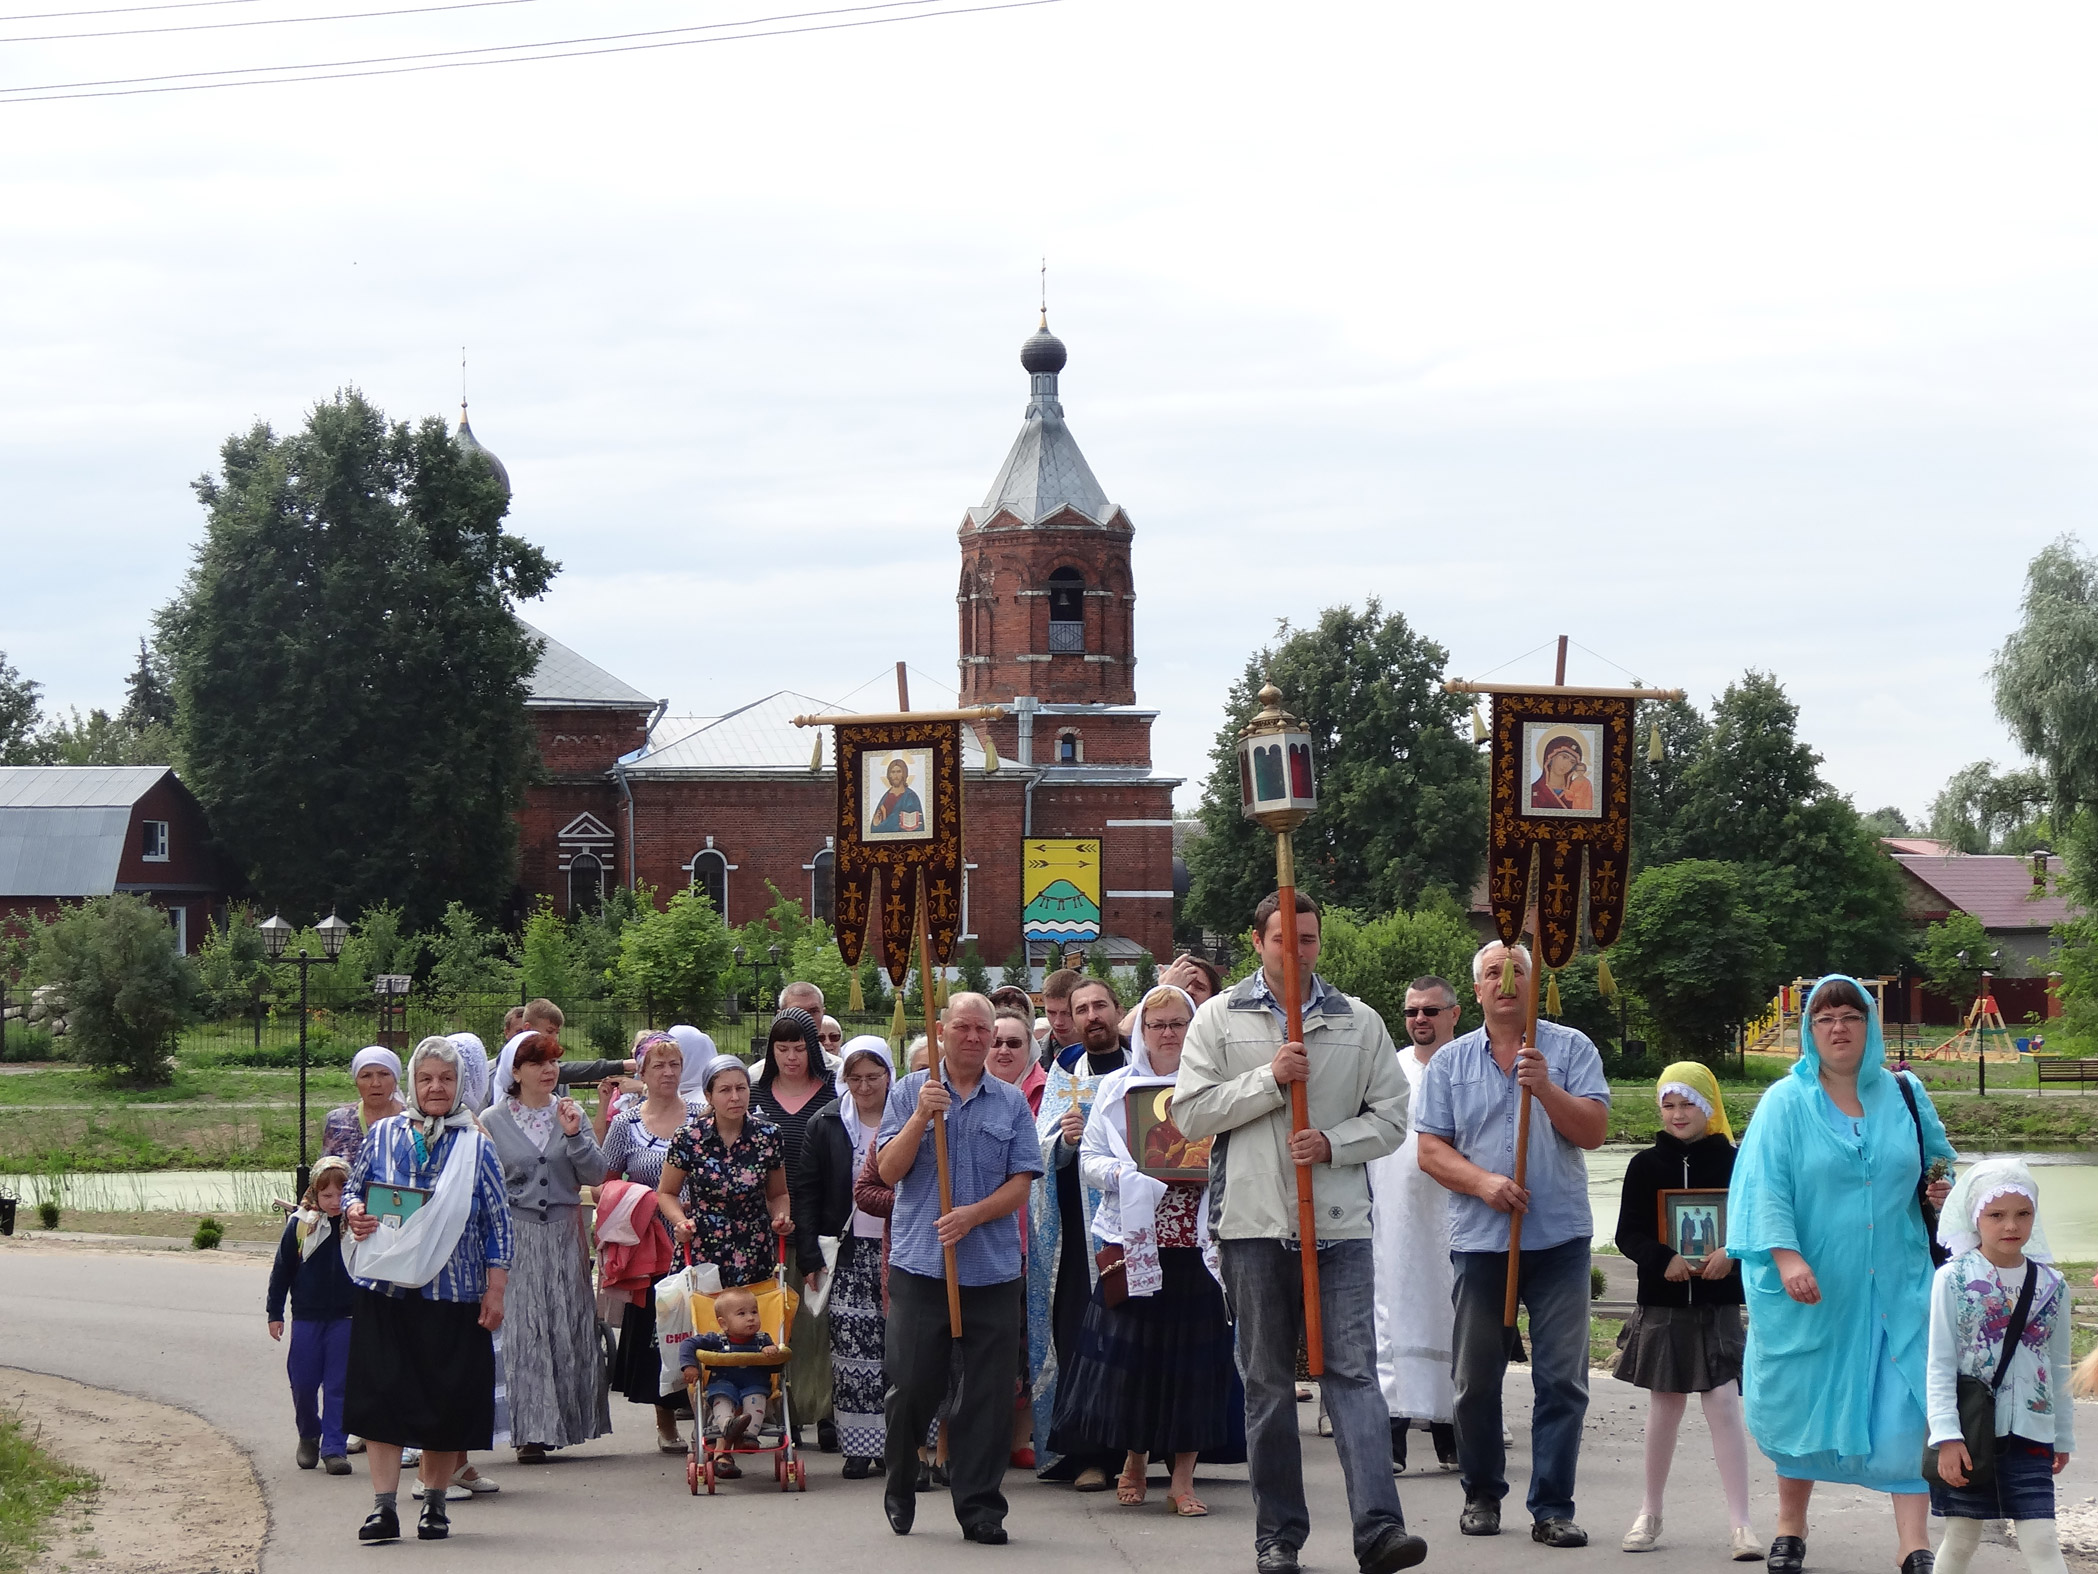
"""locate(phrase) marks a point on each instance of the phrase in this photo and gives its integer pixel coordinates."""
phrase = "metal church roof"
(1044, 473)
(63, 828)
(564, 678)
(759, 738)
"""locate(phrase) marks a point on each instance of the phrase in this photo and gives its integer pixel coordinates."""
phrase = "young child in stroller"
(736, 1396)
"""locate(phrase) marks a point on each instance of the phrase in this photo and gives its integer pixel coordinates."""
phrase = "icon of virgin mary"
(1562, 779)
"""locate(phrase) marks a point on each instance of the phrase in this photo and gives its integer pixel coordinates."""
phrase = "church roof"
(565, 680)
(1044, 473)
(760, 738)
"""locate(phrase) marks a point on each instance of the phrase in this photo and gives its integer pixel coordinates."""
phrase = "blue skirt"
(1898, 1430)
(2024, 1486)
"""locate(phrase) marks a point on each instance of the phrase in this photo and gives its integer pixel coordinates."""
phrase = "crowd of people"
(1120, 1229)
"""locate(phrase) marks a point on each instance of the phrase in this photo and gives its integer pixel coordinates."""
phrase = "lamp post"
(276, 936)
(1981, 1018)
(757, 984)
(1275, 790)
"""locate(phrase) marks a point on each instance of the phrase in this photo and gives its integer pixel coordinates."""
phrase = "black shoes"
(924, 1475)
(1481, 1517)
(939, 1475)
(1275, 1557)
(1788, 1555)
(986, 1533)
(827, 1436)
(1444, 1436)
(382, 1525)
(857, 1468)
(337, 1465)
(1559, 1533)
(901, 1511)
(1921, 1561)
(1395, 1549)
(434, 1525)
(309, 1453)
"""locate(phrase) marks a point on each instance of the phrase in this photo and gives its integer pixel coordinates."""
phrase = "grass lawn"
(204, 1137)
(33, 1487)
(1970, 1119)
(209, 1085)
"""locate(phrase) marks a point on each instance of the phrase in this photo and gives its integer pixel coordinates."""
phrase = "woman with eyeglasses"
(1825, 1214)
(1154, 1376)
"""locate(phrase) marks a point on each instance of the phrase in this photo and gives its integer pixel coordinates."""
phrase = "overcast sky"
(1715, 339)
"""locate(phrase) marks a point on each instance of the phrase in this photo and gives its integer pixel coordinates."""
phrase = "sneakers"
(1646, 1530)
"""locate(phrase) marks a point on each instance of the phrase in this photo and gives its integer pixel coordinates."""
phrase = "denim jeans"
(1264, 1282)
(1553, 1284)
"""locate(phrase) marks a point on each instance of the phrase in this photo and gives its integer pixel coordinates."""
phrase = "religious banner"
(1060, 891)
(1561, 785)
(899, 814)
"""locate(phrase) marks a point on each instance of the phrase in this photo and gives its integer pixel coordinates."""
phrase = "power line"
(260, 21)
(450, 59)
(124, 10)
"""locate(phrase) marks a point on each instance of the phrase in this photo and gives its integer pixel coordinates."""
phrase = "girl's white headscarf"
(376, 1055)
(313, 1223)
(473, 1068)
(1139, 1195)
(1979, 1186)
(865, 1044)
(457, 1117)
(699, 1054)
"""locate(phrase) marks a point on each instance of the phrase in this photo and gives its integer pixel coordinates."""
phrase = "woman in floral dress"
(724, 1186)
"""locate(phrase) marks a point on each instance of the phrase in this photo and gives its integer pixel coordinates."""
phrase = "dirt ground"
(178, 1496)
(180, 1226)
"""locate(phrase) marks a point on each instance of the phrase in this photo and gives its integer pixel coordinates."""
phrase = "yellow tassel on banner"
(897, 1024)
(1603, 981)
(1551, 994)
(858, 1002)
(1507, 974)
(1478, 726)
(816, 755)
(1653, 745)
(939, 994)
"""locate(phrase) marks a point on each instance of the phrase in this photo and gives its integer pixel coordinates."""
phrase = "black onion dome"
(472, 445)
(1043, 354)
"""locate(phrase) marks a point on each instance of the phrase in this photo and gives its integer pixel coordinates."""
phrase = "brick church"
(732, 802)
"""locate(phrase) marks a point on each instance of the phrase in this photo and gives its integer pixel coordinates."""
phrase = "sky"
(1714, 340)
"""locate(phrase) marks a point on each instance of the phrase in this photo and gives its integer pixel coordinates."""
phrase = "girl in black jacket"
(1685, 1336)
(309, 1266)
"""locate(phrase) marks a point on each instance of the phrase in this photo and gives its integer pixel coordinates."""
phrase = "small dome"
(1043, 354)
(472, 445)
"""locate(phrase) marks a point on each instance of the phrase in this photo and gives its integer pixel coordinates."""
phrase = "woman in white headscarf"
(833, 1153)
(1154, 1376)
(429, 1290)
(377, 1073)
(700, 1053)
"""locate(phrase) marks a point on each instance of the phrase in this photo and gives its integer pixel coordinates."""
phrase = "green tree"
(1376, 959)
(20, 711)
(1402, 796)
(1953, 955)
(874, 983)
(99, 738)
(1098, 964)
(1888, 820)
(349, 677)
(1582, 1004)
(1981, 812)
(1015, 971)
(231, 972)
(148, 700)
(127, 990)
(1146, 974)
(545, 956)
(974, 975)
(675, 962)
(1697, 953)
(1661, 788)
(2046, 675)
(467, 957)
(1828, 893)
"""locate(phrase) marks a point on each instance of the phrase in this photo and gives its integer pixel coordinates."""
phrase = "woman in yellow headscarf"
(1685, 1336)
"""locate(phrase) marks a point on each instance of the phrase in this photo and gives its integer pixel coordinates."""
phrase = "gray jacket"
(538, 1179)
(1227, 1089)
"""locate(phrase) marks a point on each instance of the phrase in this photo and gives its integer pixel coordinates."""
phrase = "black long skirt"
(1155, 1375)
(421, 1372)
(638, 1371)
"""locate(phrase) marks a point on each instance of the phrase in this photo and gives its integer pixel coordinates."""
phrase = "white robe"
(1410, 1235)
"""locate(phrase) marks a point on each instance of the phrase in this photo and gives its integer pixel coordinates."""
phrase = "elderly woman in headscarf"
(1684, 1337)
(377, 1072)
(1154, 1376)
(833, 1153)
(637, 1141)
(552, 1366)
(1825, 1215)
(429, 1290)
(724, 1185)
(794, 1086)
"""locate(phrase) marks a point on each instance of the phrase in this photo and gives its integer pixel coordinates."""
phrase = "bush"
(127, 990)
(1597, 1283)
(1375, 959)
(676, 961)
(209, 1233)
(975, 978)
(1146, 973)
(1015, 971)
(231, 971)
(26, 1044)
(47, 1214)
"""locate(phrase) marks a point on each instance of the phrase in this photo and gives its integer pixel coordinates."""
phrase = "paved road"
(188, 1330)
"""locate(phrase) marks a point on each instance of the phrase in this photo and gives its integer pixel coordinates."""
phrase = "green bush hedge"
(30, 1043)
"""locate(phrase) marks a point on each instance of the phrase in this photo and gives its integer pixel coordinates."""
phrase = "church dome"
(1043, 354)
(472, 445)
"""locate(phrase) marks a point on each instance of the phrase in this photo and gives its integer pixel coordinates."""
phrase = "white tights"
(2037, 1539)
(1664, 1417)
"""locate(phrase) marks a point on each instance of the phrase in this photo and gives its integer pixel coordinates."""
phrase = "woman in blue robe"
(1835, 1262)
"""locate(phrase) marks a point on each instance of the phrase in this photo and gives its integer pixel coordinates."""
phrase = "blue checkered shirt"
(389, 1159)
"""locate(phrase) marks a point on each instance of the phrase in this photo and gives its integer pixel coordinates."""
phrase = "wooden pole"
(1522, 1119)
(939, 1119)
(1299, 1103)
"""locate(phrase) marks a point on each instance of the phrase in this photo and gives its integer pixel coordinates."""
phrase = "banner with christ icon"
(899, 815)
(1561, 793)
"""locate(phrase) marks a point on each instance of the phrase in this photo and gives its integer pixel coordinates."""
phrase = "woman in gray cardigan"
(553, 1367)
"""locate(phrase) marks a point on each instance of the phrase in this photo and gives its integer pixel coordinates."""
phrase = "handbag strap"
(1908, 1097)
(2016, 1330)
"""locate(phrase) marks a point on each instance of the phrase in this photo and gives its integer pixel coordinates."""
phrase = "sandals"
(1186, 1506)
(1130, 1493)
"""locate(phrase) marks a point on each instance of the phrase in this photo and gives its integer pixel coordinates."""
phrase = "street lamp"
(1981, 1040)
(757, 984)
(276, 937)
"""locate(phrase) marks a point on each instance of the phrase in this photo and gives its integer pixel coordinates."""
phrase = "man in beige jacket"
(1234, 1084)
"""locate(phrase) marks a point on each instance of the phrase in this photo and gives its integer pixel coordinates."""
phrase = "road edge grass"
(33, 1486)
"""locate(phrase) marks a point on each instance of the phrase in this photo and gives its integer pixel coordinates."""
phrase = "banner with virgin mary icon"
(899, 815)
(1561, 794)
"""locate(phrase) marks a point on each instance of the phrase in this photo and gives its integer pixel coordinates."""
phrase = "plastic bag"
(674, 1326)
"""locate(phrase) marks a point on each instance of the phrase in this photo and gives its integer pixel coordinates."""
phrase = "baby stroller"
(776, 1308)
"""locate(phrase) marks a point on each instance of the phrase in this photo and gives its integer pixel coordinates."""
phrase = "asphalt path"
(188, 1330)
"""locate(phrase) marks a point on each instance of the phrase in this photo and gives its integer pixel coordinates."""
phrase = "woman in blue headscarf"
(1823, 1213)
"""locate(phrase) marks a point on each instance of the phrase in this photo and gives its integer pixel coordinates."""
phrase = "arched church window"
(586, 883)
(710, 876)
(1066, 612)
(823, 887)
(1068, 749)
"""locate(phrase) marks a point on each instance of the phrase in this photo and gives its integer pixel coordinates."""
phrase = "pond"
(176, 1191)
(2068, 1178)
